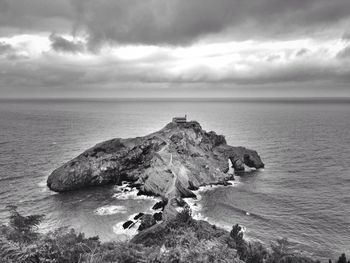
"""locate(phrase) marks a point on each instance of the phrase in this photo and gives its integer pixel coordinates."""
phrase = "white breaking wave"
(126, 234)
(110, 210)
(125, 192)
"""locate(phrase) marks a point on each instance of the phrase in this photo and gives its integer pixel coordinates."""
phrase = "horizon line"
(204, 99)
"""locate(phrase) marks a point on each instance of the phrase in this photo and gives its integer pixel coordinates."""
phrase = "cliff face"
(165, 163)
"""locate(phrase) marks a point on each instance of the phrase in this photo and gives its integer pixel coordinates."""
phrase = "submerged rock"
(158, 216)
(160, 205)
(138, 216)
(168, 163)
(128, 224)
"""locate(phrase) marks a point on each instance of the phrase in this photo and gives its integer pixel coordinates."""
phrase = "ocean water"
(302, 194)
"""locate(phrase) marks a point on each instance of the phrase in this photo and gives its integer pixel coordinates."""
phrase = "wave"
(124, 192)
(11, 178)
(125, 234)
(196, 209)
(6, 142)
(197, 214)
(110, 210)
(128, 233)
(207, 188)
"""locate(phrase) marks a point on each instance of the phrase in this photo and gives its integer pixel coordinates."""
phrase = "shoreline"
(193, 204)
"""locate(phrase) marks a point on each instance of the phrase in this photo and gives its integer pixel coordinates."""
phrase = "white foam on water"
(110, 210)
(196, 209)
(43, 187)
(207, 188)
(249, 169)
(125, 192)
(43, 183)
(126, 234)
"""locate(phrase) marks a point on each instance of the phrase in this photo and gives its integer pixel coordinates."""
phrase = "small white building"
(180, 119)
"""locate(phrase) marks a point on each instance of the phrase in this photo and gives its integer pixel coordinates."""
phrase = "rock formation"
(167, 163)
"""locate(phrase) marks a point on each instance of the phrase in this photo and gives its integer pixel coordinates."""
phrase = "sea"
(303, 193)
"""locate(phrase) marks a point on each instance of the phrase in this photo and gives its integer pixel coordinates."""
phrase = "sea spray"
(125, 192)
(110, 210)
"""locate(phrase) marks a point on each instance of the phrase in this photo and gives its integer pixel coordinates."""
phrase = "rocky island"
(169, 163)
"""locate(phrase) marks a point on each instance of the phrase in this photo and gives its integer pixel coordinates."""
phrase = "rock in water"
(166, 163)
(128, 224)
(158, 216)
(138, 216)
(160, 205)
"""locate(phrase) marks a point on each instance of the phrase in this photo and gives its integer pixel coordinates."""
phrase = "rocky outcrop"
(147, 221)
(128, 224)
(158, 216)
(167, 163)
(160, 205)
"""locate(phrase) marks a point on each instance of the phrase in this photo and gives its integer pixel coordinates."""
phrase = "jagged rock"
(145, 192)
(135, 185)
(192, 187)
(180, 202)
(160, 205)
(237, 163)
(158, 216)
(138, 216)
(162, 163)
(147, 221)
(224, 183)
(128, 224)
(184, 192)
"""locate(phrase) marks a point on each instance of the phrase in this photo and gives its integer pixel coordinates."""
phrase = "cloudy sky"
(174, 48)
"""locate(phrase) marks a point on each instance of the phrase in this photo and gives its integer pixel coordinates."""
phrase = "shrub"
(256, 253)
(237, 235)
(180, 240)
(21, 229)
(280, 250)
(342, 258)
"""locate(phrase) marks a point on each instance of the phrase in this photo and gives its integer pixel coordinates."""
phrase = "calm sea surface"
(302, 194)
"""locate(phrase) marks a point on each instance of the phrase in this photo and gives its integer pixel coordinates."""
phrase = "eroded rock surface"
(167, 163)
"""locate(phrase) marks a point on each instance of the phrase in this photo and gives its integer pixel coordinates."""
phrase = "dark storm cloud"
(293, 41)
(180, 22)
(18, 16)
(176, 22)
(61, 44)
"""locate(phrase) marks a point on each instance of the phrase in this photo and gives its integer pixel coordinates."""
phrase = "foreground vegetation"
(180, 240)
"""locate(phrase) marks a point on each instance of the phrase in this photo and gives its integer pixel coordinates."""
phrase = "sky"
(174, 48)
